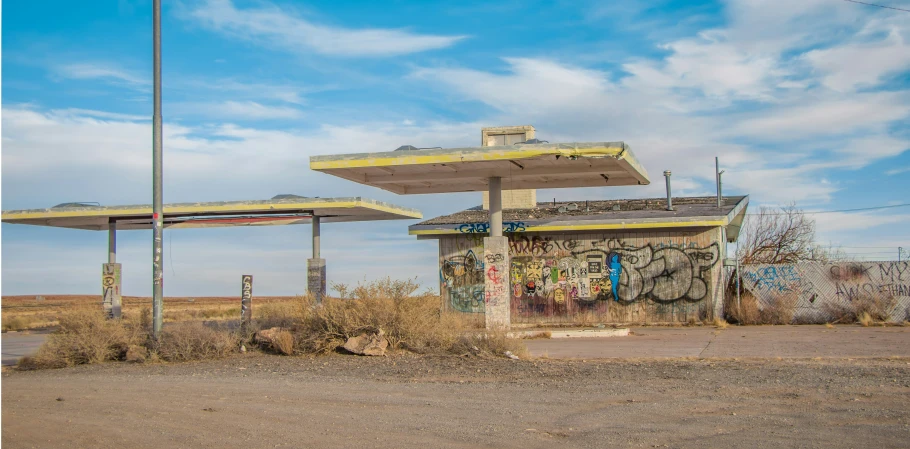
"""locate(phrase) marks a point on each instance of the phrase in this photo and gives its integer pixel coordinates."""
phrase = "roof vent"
(413, 148)
(532, 141)
(288, 196)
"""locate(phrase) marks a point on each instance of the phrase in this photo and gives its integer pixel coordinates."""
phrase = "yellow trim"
(473, 156)
(603, 226)
(240, 208)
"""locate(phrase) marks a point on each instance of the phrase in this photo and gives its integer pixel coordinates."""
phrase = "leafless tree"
(780, 235)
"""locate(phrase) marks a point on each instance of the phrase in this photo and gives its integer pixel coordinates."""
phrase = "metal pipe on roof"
(495, 207)
(669, 195)
(719, 185)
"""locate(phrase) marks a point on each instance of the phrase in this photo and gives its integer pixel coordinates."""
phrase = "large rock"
(367, 344)
(266, 337)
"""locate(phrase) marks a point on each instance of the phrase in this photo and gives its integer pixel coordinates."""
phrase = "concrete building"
(615, 261)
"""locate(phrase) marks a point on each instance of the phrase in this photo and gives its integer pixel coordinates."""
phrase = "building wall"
(608, 277)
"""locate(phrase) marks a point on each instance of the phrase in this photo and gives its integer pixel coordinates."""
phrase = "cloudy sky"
(804, 101)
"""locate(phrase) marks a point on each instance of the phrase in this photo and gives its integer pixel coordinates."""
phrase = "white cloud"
(854, 65)
(237, 110)
(104, 71)
(897, 171)
(276, 27)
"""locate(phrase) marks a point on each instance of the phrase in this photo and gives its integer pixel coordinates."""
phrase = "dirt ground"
(255, 401)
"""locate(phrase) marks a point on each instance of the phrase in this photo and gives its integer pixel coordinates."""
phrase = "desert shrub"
(864, 308)
(16, 323)
(86, 336)
(744, 312)
(779, 310)
(195, 341)
(283, 342)
(280, 314)
(721, 323)
(864, 319)
(410, 320)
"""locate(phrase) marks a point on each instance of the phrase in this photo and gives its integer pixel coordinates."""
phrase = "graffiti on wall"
(462, 277)
(484, 228)
(618, 272)
(820, 288)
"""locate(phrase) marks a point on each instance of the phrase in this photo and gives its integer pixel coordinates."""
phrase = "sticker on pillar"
(516, 290)
(595, 266)
(559, 296)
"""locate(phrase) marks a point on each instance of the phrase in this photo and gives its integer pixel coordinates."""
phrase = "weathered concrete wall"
(821, 292)
(583, 277)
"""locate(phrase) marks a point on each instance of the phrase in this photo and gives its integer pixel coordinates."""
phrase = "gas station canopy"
(520, 166)
(281, 210)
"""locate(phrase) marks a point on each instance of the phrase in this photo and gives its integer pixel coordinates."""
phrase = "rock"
(367, 344)
(243, 348)
(266, 337)
(511, 356)
(136, 354)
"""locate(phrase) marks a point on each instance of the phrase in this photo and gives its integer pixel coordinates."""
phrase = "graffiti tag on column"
(462, 276)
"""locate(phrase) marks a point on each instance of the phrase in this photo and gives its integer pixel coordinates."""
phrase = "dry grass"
(779, 310)
(721, 323)
(864, 319)
(284, 342)
(871, 309)
(490, 344)
(86, 336)
(829, 325)
(182, 342)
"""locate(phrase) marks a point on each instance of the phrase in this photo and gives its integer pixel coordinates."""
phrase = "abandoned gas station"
(516, 261)
(280, 210)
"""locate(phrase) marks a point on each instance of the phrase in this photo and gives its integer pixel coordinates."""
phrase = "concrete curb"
(571, 333)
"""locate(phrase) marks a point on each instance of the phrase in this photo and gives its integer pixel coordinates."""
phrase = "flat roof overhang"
(523, 166)
(214, 214)
(732, 221)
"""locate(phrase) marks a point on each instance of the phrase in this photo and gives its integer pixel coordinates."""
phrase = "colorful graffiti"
(620, 273)
(484, 228)
(462, 276)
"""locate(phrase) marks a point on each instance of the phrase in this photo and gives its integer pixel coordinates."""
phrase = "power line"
(878, 6)
(862, 209)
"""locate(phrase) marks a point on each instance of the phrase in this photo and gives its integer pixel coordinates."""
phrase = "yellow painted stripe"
(240, 208)
(475, 156)
(590, 227)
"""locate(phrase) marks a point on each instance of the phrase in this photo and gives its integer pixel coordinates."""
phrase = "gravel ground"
(402, 401)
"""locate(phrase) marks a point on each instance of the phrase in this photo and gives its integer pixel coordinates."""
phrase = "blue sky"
(803, 101)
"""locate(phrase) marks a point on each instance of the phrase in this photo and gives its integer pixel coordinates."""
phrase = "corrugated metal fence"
(821, 290)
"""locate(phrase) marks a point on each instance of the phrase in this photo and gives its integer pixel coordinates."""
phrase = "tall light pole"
(157, 162)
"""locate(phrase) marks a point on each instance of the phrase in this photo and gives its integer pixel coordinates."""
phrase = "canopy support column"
(496, 265)
(316, 266)
(111, 296)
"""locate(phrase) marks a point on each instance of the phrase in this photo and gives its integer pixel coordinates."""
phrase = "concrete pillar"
(111, 296)
(496, 264)
(316, 267)
(112, 242)
(495, 207)
(316, 278)
(316, 231)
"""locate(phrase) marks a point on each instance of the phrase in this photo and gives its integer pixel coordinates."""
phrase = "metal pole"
(718, 172)
(739, 303)
(669, 195)
(157, 163)
(315, 236)
(112, 242)
(495, 207)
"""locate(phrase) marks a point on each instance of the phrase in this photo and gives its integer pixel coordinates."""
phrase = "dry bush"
(864, 319)
(779, 310)
(16, 323)
(877, 309)
(721, 323)
(195, 341)
(86, 336)
(280, 314)
(284, 342)
(746, 312)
